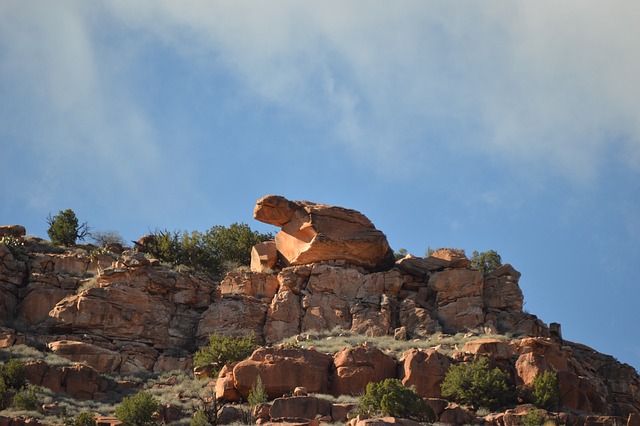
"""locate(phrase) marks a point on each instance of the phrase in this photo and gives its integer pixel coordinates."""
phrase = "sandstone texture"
(313, 232)
(329, 269)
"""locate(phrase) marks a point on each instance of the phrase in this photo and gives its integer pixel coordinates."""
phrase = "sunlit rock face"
(313, 232)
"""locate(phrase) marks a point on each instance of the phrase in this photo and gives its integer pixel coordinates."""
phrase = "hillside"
(332, 308)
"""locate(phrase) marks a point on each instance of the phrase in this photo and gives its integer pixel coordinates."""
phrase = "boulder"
(101, 359)
(494, 348)
(340, 412)
(314, 232)
(264, 256)
(356, 367)
(282, 370)
(15, 231)
(225, 385)
(424, 370)
(438, 260)
(256, 284)
(383, 421)
(299, 408)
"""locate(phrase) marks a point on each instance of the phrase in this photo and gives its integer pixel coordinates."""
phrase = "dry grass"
(338, 339)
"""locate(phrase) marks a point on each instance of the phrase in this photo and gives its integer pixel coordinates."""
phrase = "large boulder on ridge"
(313, 232)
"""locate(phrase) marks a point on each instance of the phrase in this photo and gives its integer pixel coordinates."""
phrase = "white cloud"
(542, 85)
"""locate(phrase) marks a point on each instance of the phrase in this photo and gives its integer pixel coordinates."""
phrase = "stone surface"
(313, 232)
(459, 298)
(494, 348)
(259, 285)
(424, 370)
(356, 367)
(264, 256)
(299, 408)
(101, 359)
(283, 370)
(236, 315)
(283, 317)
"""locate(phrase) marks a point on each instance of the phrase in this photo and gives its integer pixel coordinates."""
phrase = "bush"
(209, 252)
(199, 418)
(391, 398)
(137, 410)
(533, 418)
(27, 398)
(12, 374)
(258, 393)
(86, 418)
(546, 391)
(64, 229)
(487, 261)
(477, 385)
(224, 349)
(105, 238)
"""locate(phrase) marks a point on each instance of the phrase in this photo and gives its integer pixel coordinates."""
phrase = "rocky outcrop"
(425, 371)
(313, 232)
(282, 370)
(15, 231)
(328, 268)
(357, 367)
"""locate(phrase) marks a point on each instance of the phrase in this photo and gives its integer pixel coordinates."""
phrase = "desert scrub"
(546, 391)
(223, 349)
(477, 385)
(138, 409)
(391, 398)
(258, 393)
(25, 353)
(338, 339)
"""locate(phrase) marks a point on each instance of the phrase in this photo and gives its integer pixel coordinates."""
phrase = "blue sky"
(512, 126)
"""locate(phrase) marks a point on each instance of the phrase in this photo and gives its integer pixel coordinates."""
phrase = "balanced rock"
(313, 232)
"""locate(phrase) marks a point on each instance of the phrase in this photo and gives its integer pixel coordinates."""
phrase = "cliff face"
(123, 312)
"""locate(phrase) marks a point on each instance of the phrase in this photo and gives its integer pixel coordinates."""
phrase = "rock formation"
(329, 268)
(313, 232)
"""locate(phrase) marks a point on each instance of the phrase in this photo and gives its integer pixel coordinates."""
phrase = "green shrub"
(477, 385)
(533, 418)
(64, 228)
(86, 418)
(27, 398)
(258, 393)
(12, 373)
(210, 252)
(546, 391)
(391, 398)
(199, 418)
(137, 410)
(223, 349)
(487, 261)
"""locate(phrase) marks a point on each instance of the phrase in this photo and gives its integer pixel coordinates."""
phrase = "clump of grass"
(26, 353)
(342, 399)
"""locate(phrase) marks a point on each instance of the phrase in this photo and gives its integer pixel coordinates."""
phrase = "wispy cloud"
(534, 86)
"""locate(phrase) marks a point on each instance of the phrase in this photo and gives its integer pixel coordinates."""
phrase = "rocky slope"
(122, 312)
